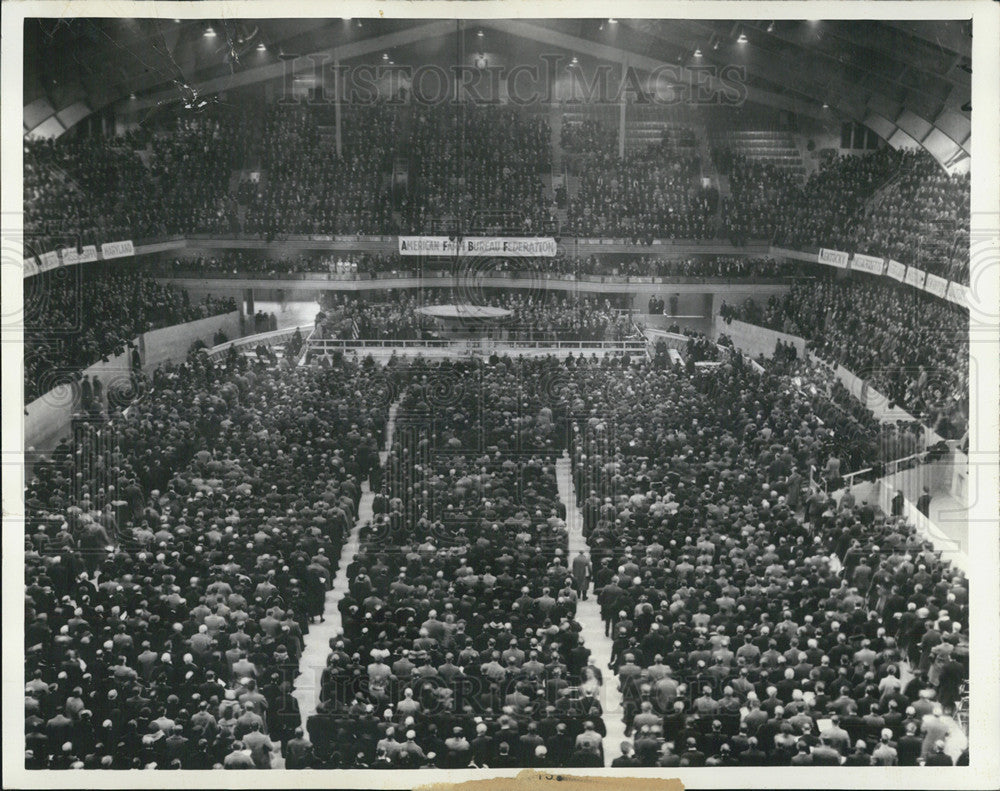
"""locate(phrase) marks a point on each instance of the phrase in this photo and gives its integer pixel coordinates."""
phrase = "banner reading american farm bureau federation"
(499, 246)
(833, 258)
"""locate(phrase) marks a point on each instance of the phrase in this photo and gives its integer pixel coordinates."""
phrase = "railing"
(272, 338)
(472, 344)
(446, 274)
(890, 468)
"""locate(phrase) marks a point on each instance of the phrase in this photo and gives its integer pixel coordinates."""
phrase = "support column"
(621, 113)
(336, 100)
(248, 302)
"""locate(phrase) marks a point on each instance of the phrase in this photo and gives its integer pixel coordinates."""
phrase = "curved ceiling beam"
(572, 43)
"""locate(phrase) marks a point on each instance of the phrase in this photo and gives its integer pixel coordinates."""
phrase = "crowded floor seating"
(176, 557)
(173, 570)
(459, 645)
(755, 623)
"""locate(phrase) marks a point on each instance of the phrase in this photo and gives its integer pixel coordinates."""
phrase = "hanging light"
(697, 53)
(262, 47)
(742, 39)
(209, 32)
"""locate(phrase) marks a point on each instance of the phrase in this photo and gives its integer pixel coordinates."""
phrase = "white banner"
(500, 246)
(117, 249)
(50, 260)
(868, 263)
(833, 258)
(958, 294)
(70, 256)
(935, 285)
(896, 270)
(915, 277)
(43, 263)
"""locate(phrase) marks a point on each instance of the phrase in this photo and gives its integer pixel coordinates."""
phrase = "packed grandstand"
(329, 529)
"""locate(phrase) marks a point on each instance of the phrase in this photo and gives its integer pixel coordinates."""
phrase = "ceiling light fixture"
(262, 47)
(697, 53)
(612, 21)
(770, 28)
(209, 32)
(742, 39)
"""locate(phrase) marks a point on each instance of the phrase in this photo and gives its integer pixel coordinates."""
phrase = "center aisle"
(316, 645)
(588, 613)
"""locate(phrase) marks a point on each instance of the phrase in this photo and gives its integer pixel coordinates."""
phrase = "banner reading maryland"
(499, 246)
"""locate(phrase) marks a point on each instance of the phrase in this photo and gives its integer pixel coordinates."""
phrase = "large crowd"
(479, 169)
(911, 347)
(177, 552)
(653, 194)
(273, 170)
(176, 558)
(895, 203)
(921, 217)
(77, 316)
(754, 622)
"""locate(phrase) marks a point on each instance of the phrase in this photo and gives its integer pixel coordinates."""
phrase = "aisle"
(588, 613)
(316, 645)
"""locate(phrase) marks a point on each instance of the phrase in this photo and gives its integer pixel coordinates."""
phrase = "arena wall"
(754, 340)
(49, 417)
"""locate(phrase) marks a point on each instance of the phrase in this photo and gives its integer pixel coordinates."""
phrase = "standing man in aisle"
(581, 574)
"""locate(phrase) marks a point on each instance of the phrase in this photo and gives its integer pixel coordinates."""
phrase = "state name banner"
(70, 255)
(833, 258)
(868, 263)
(505, 246)
(958, 293)
(117, 249)
(915, 277)
(935, 285)
(896, 270)
(43, 263)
